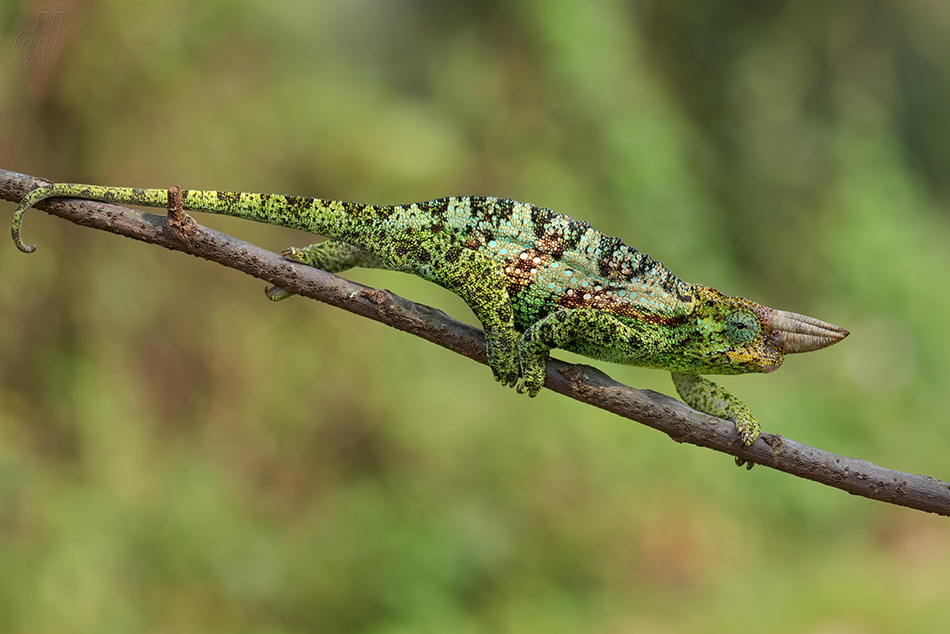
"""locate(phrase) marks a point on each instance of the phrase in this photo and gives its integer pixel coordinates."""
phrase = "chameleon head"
(736, 335)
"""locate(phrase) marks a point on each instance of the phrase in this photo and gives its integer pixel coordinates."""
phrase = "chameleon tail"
(120, 195)
(314, 215)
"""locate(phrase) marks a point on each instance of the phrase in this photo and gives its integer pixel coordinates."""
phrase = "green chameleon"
(536, 280)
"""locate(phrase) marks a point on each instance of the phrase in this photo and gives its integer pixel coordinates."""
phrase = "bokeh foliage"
(177, 454)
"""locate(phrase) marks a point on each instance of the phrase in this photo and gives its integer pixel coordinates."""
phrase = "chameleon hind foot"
(276, 293)
(332, 256)
(564, 329)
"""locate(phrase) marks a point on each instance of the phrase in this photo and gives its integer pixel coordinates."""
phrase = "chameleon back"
(551, 260)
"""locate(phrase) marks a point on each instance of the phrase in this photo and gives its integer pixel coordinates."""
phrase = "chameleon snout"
(793, 333)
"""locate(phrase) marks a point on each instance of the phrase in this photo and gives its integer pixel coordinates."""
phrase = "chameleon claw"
(748, 464)
(529, 387)
(294, 254)
(507, 382)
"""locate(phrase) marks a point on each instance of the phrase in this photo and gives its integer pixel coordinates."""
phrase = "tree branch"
(579, 382)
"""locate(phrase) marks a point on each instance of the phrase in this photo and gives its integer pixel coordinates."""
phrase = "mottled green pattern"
(536, 280)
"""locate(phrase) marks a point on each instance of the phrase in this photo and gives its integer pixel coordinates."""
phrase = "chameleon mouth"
(793, 333)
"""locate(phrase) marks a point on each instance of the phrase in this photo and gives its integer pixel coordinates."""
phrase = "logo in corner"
(35, 46)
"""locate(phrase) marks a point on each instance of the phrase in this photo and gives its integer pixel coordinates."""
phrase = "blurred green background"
(177, 454)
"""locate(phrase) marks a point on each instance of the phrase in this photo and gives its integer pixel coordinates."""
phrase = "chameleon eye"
(741, 327)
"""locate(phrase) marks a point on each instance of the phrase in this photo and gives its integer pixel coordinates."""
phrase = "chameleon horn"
(798, 333)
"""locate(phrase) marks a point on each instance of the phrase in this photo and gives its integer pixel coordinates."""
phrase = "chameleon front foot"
(747, 428)
(705, 396)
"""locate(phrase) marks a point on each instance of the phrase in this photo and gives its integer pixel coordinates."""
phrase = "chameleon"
(536, 280)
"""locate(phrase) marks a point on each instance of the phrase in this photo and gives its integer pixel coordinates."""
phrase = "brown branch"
(579, 382)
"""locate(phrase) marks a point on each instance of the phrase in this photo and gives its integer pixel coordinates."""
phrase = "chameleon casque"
(536, 280)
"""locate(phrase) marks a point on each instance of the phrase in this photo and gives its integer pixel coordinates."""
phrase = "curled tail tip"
(28, 201)
(17, 240)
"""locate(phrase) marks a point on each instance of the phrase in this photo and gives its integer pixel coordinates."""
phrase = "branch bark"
(583, 383)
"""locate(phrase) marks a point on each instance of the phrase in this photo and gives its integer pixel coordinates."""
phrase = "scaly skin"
(536, 280)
